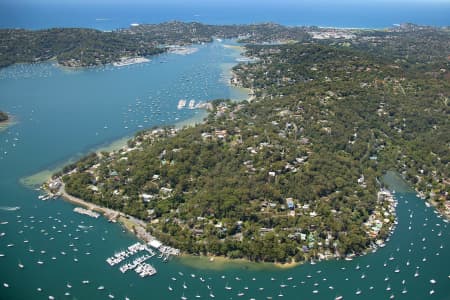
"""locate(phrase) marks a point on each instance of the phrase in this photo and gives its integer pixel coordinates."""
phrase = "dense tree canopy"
(293, 174)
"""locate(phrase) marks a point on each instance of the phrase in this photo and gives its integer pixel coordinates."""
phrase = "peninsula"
(293, 174)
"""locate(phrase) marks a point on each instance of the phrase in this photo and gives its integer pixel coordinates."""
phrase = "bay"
(62, 114)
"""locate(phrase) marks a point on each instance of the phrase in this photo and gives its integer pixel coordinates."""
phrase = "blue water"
(61, 114)
(365, 14)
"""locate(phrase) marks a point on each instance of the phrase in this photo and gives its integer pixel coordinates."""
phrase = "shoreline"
(138, 229)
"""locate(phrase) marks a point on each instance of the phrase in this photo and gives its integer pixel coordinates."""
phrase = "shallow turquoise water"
(62, 114)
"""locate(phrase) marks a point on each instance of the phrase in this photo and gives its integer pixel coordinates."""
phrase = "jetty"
(87, 212)
(138, 264)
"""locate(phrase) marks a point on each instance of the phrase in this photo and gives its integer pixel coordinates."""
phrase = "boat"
(240, 294)
(183, 297)
(184, 285)
(227, 287)
(431, 292)
(212, 295)
(181, 103)
(339, 298)
(432, 281)
(170, 288)
(101, 288)
(358, 292)
(21, 266)
(416, 274)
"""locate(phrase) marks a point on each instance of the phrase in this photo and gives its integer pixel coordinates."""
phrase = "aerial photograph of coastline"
(194, 149)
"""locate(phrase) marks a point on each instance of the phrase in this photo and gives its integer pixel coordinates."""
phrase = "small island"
(293, 175)
(3, 117)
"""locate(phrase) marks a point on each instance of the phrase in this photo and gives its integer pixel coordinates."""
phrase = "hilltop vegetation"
(293, 174)
(78, 47)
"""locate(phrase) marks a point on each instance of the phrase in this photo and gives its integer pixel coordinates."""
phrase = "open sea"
(113, 15)
(47, 251)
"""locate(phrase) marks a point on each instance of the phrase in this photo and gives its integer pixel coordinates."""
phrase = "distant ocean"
(113, 16)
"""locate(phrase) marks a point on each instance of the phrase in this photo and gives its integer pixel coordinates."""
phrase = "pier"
(87, 212)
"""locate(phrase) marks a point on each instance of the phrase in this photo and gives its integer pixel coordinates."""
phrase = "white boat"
(170, 288)
(181, 103)
(416, 274)
(101, 288)
(432, 281)
(212, 295)
(358, 292)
